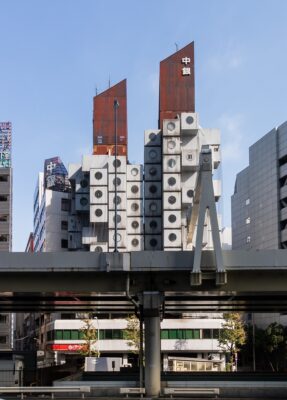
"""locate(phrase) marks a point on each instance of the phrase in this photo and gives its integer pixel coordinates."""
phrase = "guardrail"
(132, 390)
(201, 392)
(46, 389)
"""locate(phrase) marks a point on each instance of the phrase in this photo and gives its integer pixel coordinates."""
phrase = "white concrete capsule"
(121, 219)
(189, 123)
(99, 195)
(134, 208)
(134, 225)
(171, 182)
(99, 247)
(172, 219)
(98, 177)
(120, 200)
(121, 238)
(99, 213)
(134, 172)
(171, 127)
(171, 164)
(120, 163)
(172, 200)
(135, 242)
(172, 238)
(171, 145)
(152, 137)
(189, 160)
(134, 190)
(118, 181)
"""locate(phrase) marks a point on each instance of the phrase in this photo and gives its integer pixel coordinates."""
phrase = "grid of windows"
(113, 334)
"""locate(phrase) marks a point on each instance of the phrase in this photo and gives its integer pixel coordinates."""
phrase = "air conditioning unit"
(152, 155)
(216, 157)
(172, 200)
(119, 164)
(98, 177)
(172, 219)
(119, 199)
(118, 181)
(134, 190)
(171, 164)
(82, 202)
(152, 208)
(171, 127)
(134, 173)
(153, 225)
(152, 137)
(74, 240)
(98, 213)
(74, 223)
(135, 242)
(134, 225)
(121, 238)
(99, 195)
(172, 238)
(82, 182)
(171, 182)
(99, 247)
(171, 145)
(152, 190)
(189, 160)
(134, 208)
(189, 123)
(152, 172)
(121, 219)
(153, 242)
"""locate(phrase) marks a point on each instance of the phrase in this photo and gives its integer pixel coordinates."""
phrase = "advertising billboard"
(5, 144)
(56, 175)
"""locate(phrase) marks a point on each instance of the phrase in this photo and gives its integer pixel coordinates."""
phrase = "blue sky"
(55, 53)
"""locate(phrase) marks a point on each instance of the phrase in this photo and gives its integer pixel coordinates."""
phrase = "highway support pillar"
(152, 302)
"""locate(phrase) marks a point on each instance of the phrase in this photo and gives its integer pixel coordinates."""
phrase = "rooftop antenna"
(109, 81)
(176, 46)
(96, 90)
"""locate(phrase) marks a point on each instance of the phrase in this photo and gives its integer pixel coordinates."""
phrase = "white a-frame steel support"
(204, 200)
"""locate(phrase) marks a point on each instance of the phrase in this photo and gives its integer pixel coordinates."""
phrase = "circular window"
(117, 218)
(135, 189)
(153, 242)
(153, 224)
(98, 249)
(117, 200)
(153, 189)
(98, 194)
(152, 171)
(171, 181)
(189, 120)
(119, 237)
(171, 144)
(189, 193)
(135, 224)
(98, 175)
(171, 162)
(134, 206)
(152, 137)
(83, 201)
(171, 199)
(153, 207)
(171, 126)
(98, 212)
(117, 181)
(172, 218)
(84, 183)
(117, 163)
(135, 242)
(134, 171)
(172, 237)
(153, 154)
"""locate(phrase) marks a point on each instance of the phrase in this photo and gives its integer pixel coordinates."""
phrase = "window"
(65, 204)
(206, 334)
(3, 178)
(248, 239)
(59, 335)
(64, 243)
(64, 225)
(66, 335)
(3, 238)
(247, 202)
(3, 218)
(74, 335)
(3, 339)
(247, 221)
(3, 319)
(164, 334)
(3, 197)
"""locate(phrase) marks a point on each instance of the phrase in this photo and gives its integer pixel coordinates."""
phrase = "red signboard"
(66, 347)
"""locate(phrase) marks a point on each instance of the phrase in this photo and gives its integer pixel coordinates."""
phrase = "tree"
(89, 334)
(232, 335)
(132, 333)
(275, 345)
